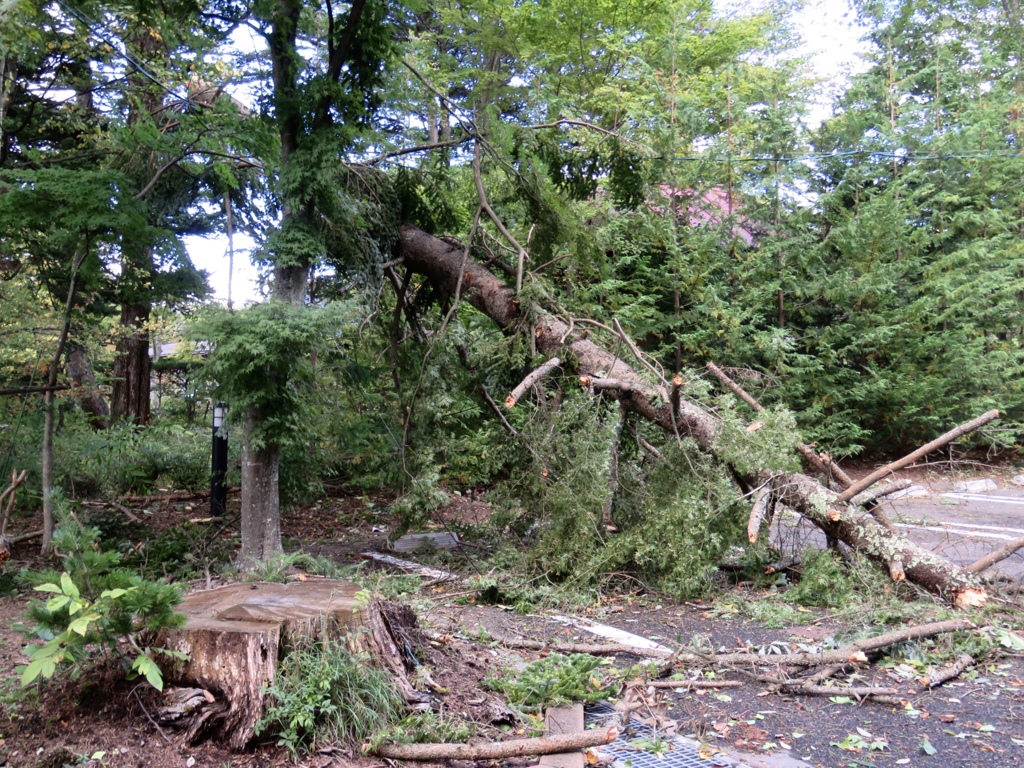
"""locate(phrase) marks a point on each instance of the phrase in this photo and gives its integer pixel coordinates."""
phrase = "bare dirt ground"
(975, 721)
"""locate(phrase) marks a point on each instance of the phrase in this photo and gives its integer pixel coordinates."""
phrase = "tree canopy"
(651, 163)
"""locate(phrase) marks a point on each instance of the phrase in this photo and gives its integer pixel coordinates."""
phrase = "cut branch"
(910, 458)
(763, 502)
(599, 649)
(874, 494)
(500, 750)
(995, 557)
(695, 684)
(840, 690)
(534, 376)
(598, 384)
(951, 672)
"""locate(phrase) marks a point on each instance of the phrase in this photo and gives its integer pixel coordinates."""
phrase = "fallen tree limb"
(597, 384)
(25, 537)
(446, 268)
(695, 684)
(594, 649)
(114, 505)
(183, 496)
(829, 469)
(12, 491)
(763, 503)
(531, 379)
(995, 557)
(924, 450)
(853, 653)
(841, 690)
(874, 494)
(499, 750)
(946, 674)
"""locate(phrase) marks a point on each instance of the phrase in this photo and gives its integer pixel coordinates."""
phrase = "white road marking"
(1014, 500)
(981, 527)
(970, 533)
(612, 633)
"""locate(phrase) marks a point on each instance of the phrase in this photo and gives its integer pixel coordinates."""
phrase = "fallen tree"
(453, 273)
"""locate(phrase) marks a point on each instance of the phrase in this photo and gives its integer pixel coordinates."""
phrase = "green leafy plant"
(96, 607)
(824, 582)
(324, 693)
(423, 728)
(552, 681)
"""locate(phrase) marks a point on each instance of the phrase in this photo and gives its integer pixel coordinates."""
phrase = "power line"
(114, 43)
(883, 155)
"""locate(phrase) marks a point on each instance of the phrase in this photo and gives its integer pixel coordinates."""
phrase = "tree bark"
(51, 383)
(130, 397)
(443, 263)
(237, 635)
(499, 750)
(80, 371)
(260, 502)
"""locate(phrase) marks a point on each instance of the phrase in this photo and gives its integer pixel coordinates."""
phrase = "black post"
(218, 488)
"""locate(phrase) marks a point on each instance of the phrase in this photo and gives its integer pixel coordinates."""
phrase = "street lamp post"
(218, 474)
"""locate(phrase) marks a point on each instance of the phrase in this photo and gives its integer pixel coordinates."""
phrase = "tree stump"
(236, 636)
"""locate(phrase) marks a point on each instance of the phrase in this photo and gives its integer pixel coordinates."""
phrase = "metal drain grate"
(683, 754)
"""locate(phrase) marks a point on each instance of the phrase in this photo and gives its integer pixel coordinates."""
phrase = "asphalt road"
(965, 525)
(961, 524)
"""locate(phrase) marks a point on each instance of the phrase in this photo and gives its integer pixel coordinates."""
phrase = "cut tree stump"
(236, 636)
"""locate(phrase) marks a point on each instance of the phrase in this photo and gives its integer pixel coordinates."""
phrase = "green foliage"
(129, 459)
(824, 582)
(552, 681)
(182, 552)
(96, 606)
(423, 728)
(324, 694)
(280, 569)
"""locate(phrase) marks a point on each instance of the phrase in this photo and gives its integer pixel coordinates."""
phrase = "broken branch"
(534, 376)
(954, 670)
(825, 466)
(874, 494)
(596, 384)
(498, 750)
(995, 557)
(12, 491)
(910, 458)
(602, 649)
(695, 684)
(762, 503)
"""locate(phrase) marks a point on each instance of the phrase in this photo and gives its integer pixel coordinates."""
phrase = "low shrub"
(96, 608)
(325, 694)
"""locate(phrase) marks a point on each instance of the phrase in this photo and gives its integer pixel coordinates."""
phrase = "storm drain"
(684, 752)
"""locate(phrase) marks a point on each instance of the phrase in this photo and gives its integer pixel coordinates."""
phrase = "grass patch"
(325, 694)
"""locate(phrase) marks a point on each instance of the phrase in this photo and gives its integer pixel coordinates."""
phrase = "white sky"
(831, 44)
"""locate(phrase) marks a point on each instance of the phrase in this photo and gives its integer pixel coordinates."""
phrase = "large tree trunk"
(79, 369)
(261, 519)
(130, 398)
(441, 263)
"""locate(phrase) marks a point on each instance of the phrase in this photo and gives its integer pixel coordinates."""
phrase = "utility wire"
(907, 156)
(95, 28)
